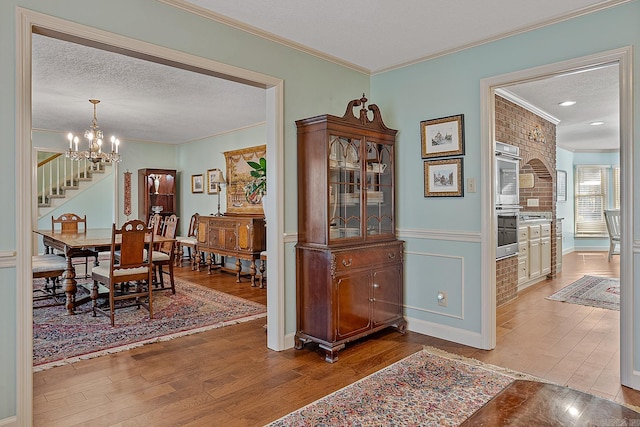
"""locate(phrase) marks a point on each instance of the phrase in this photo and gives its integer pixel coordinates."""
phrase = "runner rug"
(428, 388)
(594, 291)
(59, 339)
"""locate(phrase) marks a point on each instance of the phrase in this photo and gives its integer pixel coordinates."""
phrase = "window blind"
(591, 188)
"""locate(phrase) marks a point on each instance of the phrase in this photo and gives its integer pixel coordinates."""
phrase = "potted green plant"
(257, 187)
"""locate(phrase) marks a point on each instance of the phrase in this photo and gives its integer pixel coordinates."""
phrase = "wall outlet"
(442, 298)
(533, 202)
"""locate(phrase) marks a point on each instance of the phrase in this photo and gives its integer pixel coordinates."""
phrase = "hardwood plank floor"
(227, 377)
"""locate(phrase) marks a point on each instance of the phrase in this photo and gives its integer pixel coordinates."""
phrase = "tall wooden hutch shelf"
(349, 262)
(156, 192)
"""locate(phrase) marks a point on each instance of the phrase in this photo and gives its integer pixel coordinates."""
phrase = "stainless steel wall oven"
(507, 208)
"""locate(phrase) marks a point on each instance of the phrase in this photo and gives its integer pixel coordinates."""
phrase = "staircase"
(59, 179)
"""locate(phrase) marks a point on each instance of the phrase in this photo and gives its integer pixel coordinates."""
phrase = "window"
(591, 198)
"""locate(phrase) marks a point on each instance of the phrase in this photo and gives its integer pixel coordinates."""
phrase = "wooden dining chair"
(49, 267)
(131, 261)
(74, 223)
(163, 254)
(612, 218)
(156, 223)
(188, 242)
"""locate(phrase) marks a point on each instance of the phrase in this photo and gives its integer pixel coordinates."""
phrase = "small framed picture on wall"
(442, 137)
(197, 183)
(443, 178)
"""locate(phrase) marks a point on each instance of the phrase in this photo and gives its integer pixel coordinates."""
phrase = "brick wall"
(506, 278)
(513, 125)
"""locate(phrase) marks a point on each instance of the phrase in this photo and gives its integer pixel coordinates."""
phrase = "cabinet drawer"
(534, 231)
(367, 257)
(545, 230)
(523, 233)
(523, 249)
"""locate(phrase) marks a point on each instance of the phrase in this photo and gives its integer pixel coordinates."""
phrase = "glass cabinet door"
(360, 188)
(378, 188)
(344, 194)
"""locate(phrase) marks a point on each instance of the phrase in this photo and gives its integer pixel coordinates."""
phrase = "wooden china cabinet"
(349, 264)
(156, 192)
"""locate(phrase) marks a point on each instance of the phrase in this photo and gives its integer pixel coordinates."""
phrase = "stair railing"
(57, 172)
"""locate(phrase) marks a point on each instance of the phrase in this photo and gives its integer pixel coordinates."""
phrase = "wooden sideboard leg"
(198, 260)
(210, 262)
(238, 269)
(252, 272)
(331, 353)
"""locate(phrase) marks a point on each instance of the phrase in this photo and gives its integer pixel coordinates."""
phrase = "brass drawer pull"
(347, 263)
(392, 255)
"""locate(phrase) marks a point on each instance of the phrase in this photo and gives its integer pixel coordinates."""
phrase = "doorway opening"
(489, 88)
(54, 27)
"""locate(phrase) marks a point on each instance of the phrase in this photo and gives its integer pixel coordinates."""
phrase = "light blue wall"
(438, 228)
(199, 156)
(312, 86)
(564, 209)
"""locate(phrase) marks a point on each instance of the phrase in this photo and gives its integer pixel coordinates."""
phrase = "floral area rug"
(594, 291)
(59, 339)
(428, 388)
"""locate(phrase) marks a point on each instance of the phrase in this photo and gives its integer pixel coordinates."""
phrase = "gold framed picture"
(443, 178)
(442, 137)
(197, 183)
(215, 177)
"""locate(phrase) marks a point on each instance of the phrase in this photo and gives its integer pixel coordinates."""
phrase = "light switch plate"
(471, 185)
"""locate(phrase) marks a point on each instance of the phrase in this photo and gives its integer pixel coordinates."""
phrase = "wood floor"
(227, 377)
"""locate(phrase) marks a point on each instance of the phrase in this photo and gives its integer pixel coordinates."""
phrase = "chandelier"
(94, 137)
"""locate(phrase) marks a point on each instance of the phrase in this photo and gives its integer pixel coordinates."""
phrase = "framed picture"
(442, 137)
(239, 173)
(561, 186)
(443, 178)
(214, 179)
(197, 183)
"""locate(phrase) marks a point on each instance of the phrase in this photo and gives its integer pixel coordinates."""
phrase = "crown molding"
(510, 96)
(209, 14)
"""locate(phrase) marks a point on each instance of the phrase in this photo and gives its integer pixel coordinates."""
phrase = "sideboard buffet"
(234, 235)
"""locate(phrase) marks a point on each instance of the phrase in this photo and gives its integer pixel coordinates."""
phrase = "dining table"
(72, 244)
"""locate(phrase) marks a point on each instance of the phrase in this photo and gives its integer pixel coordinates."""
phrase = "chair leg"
(171, 279)
(94, 297)
(612, 247)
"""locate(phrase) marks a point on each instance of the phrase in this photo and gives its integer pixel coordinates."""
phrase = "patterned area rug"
(428, 388)
(59, 339)
(594, 291)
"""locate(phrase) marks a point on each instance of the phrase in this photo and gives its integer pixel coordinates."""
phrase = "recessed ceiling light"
(596, 123)
(567, 103)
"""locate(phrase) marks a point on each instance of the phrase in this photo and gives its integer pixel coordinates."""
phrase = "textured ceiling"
(146, 101)
(139, 100)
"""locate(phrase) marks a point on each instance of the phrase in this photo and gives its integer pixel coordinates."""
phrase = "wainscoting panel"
(426, 276)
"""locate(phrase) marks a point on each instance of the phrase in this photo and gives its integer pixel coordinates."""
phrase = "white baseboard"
(449, 333)
(9, 422)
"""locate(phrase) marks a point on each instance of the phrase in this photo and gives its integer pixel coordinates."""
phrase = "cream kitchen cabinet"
(534, 255)
(545, 249)
(523, 254)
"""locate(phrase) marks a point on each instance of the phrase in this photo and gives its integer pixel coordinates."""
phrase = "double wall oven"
(507, 208)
